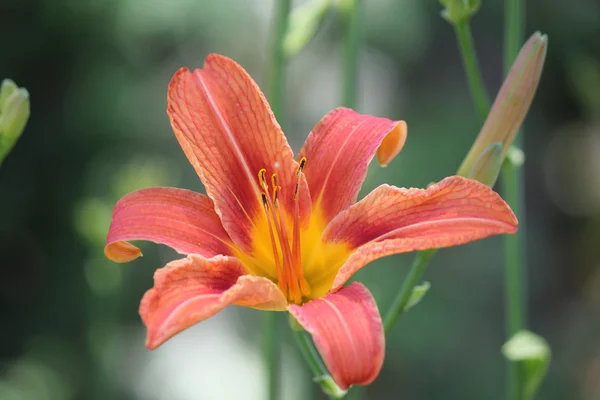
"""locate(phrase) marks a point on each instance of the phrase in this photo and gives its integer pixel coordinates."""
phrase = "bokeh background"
(97, 71)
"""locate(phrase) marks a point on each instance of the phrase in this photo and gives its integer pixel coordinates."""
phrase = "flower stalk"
(486, 159)
(269, 329)
(513, 181)
(458, 13)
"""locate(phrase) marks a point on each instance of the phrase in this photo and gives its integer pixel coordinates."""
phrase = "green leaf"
(303, 25)
(533, 354)
(417, 294)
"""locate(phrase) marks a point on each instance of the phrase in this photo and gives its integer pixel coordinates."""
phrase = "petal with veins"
(393, 220)
(348, 332)
(338, 152)
(181, 219)
(193, 289)
(228, 132)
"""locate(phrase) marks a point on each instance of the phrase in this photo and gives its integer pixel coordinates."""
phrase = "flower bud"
(457, 11)
(512, 103)
(14, 113)
(304, 24)
(487, 166)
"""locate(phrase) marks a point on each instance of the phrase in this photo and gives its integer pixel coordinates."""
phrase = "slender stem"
(276, 81)
(275, 93)
(401, 300)
(476, 87)
(412, 279)
(352, 42)
(270, 348)
(513, 274)
(514, 23)
(512, 182)
(309, 353)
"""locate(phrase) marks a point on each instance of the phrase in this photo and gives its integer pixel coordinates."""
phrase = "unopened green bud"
(458, 11)
(488, 165)
(14, 113)
(512, 102)
(7, 88)
(304, 24)
(533, 355)
(344, 6)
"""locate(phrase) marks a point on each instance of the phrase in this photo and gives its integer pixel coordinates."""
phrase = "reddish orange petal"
(394, 220)
(338, 151)
(347, 330)
(228, 132)
(181, 219)
(193, 289)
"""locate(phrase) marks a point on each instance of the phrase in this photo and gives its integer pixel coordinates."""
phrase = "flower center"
(290, 277)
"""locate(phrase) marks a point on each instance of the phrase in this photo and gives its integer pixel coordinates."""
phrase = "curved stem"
(275, 93)
(309, 352)
(412, 279)
(476, 87)
(512, 183)
(311, 356)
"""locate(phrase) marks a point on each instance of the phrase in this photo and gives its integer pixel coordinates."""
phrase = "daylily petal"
(393, 220)
(348, 332)
(338, 152)
(193, 289)
(181, 219)
(228, 132)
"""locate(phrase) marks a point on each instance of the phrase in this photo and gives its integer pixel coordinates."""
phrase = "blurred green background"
(97, 71)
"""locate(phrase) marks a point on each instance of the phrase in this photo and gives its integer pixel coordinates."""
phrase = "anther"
(276, 190)
(262, 178)
(264, 200)
(301, 166)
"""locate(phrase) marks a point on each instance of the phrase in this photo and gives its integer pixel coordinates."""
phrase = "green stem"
(412, 279)
(476, 87)
(275, 94)
(513, 273)
(512, 182)
(275, 89)
(352, 42)
(270, 347)
(309, 352)
(514, 23)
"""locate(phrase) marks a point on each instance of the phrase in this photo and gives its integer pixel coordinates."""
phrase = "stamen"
(281, 275)
(290, 276)
(296, 248)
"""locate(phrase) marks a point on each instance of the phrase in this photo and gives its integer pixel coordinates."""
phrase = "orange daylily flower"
(279, 233)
